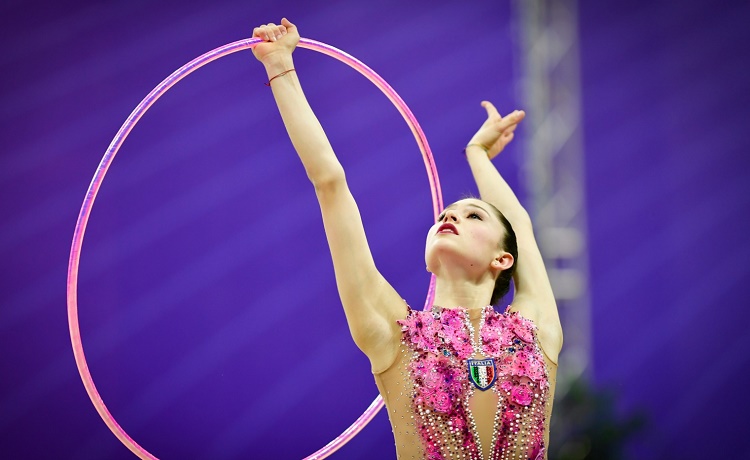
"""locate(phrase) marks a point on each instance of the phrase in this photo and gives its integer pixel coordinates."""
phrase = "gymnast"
(460, 380)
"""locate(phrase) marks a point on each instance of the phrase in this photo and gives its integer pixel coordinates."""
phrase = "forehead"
(471, 203)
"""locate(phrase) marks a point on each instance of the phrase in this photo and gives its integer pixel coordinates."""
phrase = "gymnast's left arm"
(533, 293)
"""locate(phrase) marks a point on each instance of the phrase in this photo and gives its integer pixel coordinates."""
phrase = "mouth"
(447, 228)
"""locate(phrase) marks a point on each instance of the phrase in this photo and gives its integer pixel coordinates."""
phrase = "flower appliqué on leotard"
(441, 344)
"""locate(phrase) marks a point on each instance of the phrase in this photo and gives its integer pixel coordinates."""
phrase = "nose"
(450, 216)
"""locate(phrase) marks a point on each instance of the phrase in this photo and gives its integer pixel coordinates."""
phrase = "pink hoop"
(130, 122)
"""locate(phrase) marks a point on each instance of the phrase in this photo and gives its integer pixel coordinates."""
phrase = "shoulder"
(546, 327)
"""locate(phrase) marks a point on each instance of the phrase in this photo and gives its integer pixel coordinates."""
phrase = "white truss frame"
(554, 166)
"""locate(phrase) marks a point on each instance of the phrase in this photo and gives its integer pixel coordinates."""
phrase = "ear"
(502, 262)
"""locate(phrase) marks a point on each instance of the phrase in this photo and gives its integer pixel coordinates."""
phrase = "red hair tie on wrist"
(277, 76)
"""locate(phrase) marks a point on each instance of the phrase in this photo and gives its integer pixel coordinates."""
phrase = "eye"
(474, 215)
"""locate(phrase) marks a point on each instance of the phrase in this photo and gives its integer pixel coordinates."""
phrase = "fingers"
(287, 23)
(491, 110)
(271, 32)
(511, 120)
(510, 129)
(262, 32)
(517, 115)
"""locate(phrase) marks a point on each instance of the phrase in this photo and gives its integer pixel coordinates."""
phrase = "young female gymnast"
(459, 381)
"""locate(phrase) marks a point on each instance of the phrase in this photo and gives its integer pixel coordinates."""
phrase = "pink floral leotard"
(452, 393)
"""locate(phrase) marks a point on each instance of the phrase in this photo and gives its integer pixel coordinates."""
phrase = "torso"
(442, 405)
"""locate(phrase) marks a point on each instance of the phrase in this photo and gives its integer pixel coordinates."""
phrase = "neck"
(451, 292)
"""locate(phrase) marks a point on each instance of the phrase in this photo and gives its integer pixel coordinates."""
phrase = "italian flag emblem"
(482, 373)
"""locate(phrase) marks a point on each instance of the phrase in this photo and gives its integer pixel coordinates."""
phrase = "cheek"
(487, 239)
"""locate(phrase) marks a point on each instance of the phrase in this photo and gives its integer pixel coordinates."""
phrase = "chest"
(450, 352)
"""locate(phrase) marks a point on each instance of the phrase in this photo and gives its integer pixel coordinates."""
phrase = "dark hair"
(510, 245)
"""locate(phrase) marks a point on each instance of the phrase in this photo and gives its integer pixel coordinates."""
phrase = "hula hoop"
(101, 171)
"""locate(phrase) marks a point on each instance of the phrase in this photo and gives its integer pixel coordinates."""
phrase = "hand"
(496, 132)
(278, 40)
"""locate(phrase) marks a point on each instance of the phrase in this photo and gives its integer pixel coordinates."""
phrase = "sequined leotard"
(443, 404)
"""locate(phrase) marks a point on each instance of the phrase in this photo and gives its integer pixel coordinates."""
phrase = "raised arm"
(371, 305)
(533, 293)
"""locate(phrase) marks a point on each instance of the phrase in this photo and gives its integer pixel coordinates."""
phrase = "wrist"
(476, 148)
(278, 62)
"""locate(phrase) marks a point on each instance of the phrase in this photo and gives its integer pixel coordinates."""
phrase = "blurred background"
(208, 308)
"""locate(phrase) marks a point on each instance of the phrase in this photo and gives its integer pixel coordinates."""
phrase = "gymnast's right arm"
(371, 305)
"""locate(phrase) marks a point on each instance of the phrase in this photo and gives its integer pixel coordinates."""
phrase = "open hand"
(277, 39)
(496, 132)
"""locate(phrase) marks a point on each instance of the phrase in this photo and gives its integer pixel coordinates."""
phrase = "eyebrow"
(467, 204)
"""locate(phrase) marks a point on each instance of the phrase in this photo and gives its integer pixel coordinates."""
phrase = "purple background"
(207, 301)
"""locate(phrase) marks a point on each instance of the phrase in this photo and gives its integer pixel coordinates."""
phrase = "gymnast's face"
(467, 232)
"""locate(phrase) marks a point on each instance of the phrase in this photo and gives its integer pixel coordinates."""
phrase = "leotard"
(452, 393)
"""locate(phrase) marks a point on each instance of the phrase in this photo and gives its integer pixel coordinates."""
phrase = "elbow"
(329, 181)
